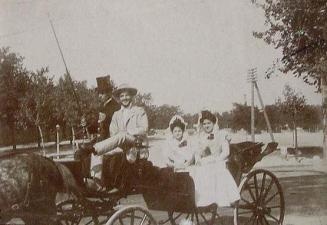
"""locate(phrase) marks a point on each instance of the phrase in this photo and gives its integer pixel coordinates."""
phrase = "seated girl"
(178, 151)
(213, 181)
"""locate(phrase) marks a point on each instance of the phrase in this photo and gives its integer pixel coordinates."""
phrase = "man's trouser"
(122, 140)
(110, 153)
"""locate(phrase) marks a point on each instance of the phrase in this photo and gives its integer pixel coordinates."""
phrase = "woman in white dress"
(178, 153)
(213, 181)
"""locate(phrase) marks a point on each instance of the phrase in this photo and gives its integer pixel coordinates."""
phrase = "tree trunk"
(73, 138)
(38, 137)
(295, 138)
(41, 137)
(324, 111)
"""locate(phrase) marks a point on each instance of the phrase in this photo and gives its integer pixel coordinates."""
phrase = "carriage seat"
(244, 155)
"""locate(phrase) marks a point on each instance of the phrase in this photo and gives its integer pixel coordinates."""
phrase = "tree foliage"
(299, 29)
(291, 105)
(69, 111)
(158, 116)
(32, 99)
(14, 83)
(38, 102)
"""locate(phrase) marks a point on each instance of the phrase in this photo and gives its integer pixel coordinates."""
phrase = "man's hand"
(87, 147)
(138, 142)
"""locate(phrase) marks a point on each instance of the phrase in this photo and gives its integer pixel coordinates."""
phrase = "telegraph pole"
(264, 112)
(252, 77)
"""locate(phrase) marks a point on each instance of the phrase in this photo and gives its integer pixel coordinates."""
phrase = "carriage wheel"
(200, 216)
(132, 215)
(262, 200)
(96, 220)
(68, 212)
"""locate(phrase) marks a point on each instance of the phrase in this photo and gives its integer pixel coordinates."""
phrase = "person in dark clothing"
(113, 164)
(108, 107)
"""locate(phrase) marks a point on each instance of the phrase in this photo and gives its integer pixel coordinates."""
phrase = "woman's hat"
(206, 114)
(177, 121)
(124, 87)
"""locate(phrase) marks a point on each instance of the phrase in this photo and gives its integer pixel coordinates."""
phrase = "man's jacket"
(136, 122)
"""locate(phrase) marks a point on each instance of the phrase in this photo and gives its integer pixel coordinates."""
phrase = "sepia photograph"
(163, 112)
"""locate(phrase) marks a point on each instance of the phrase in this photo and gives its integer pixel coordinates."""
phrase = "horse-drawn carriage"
(30, 183)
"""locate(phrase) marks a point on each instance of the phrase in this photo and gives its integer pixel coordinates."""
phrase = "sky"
(191, 53)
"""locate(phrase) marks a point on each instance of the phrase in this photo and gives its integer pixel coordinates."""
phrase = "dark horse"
(29, 183)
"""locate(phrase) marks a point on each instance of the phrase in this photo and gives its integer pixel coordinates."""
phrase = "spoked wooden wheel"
(68, 212)
(132, 215)
(262, 200)
(95, 220)
(200, 216)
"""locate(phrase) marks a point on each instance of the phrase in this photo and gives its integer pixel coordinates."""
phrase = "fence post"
(57, 129)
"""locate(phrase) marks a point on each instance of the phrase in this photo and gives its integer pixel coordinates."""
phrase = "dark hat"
(124, 87)
(206, 114)
(104, 85)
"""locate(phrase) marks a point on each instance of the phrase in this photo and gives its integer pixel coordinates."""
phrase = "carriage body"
(173, 192)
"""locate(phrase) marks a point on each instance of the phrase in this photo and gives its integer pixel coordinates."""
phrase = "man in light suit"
(127, 125)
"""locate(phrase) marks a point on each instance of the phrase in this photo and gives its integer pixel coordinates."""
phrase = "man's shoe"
(138, 143)
(93, 185)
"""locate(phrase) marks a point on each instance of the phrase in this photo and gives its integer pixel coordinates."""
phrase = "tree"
(310, 118)
(145, 100)
(275, 117)
(241, 117)
(69, 110)
(158, 116)
(291, 106)
(14, 82)
(191, 119)
(37, 105)
(163, 114)
(299, 29)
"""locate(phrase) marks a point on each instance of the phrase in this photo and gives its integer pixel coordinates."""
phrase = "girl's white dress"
(213, 181)
(178, 154)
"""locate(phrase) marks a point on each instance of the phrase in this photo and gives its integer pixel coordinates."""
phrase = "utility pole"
(264, 112)
(252, 77)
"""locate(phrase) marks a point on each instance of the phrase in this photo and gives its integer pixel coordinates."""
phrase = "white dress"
(178, 154)
(213, 182)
